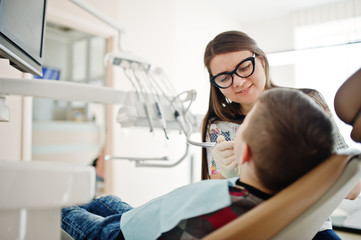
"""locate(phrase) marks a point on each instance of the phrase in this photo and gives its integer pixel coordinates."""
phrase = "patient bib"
(160, 215)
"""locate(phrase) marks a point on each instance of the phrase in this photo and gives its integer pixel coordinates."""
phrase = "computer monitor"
(22, 28)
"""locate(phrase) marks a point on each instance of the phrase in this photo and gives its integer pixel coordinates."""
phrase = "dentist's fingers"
(223, 155)
(225, 145)
(231, 167)
(224, 149)
(227, 161)
(221, 138)
(229, 171)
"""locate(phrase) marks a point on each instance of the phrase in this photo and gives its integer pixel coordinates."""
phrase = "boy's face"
(240, 144)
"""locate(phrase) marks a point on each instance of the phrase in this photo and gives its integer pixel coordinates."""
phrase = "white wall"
(195, 26)
(275, 35)
(272, 35)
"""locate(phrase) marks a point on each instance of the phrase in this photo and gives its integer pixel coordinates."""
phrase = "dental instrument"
(157, 105)
(136, 159)
(184, 122)
(201, 144)
(126, 115)
(125, 70)
(161, 119)
(146, 100)
(165, 80)
(176, 113)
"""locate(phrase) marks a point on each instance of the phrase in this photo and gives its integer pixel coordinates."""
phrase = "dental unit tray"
(123, 57)
(131, 113)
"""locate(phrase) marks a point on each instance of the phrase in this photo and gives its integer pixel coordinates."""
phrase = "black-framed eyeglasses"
(244, 69)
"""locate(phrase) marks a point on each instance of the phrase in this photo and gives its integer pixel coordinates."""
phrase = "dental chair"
(299, 211)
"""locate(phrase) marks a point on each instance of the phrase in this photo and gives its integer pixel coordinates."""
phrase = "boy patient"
(284, 136)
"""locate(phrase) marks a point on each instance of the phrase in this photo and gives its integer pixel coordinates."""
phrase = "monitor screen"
(22, 27)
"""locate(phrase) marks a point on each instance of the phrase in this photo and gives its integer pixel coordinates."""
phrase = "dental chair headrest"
(348, 104)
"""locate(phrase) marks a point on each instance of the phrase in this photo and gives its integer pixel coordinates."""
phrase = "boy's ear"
(246, 154)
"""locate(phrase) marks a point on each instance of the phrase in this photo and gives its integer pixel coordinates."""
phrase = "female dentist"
(239, 73)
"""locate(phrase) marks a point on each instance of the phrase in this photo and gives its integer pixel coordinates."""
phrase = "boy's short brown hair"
(288, 136)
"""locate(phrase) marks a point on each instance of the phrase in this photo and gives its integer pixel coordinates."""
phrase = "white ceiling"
(256, 10)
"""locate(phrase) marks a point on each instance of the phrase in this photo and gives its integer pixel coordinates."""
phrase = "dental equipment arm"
(139, 161)
(187, 126)
(140, 164)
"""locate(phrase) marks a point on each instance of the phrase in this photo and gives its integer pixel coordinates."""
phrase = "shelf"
(132, 109)
(61, 90)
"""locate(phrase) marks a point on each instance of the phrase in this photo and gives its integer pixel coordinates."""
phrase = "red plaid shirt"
(243, 197)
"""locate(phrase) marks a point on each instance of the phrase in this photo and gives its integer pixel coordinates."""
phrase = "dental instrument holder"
(131, 113)
(124, 59)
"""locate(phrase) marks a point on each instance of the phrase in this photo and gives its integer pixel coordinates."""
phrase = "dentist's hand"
(223, 155)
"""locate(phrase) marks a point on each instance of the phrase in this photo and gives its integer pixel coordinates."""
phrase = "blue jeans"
(99, 219)
(326, 235)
